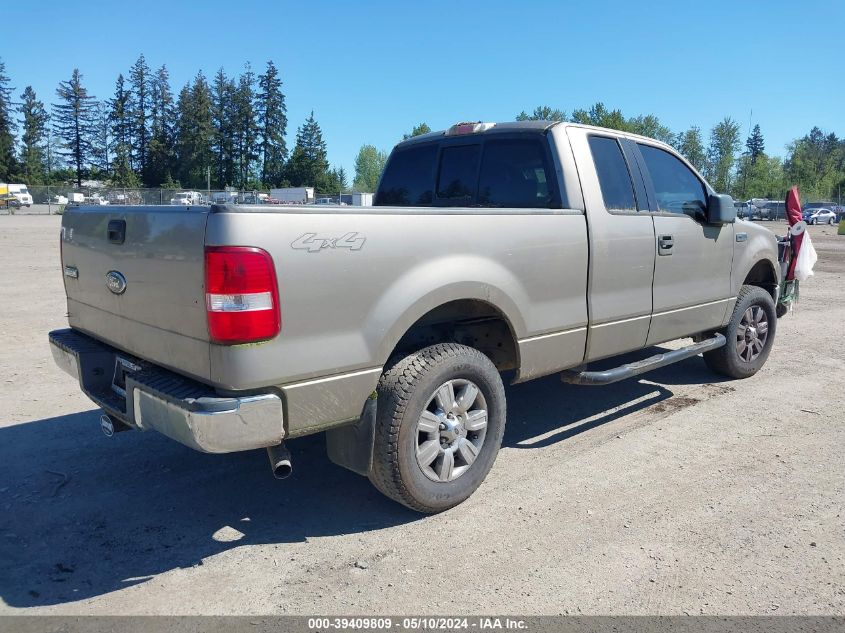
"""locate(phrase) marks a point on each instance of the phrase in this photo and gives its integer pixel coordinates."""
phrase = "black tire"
(404, 390)
(727, 360)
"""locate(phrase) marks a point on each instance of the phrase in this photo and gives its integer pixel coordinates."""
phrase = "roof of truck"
(508, 126)
(535, 127)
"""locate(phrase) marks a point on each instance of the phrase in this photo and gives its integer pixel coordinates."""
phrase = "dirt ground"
(675, 493)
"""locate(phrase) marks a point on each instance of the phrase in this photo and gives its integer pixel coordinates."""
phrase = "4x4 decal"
(314, 242)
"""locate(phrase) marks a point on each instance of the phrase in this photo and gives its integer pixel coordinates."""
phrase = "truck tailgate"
(134, 279)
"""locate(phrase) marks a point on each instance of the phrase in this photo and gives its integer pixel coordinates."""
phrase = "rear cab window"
(408, 179)
(458, 173)
(617, 189)
(492, 171)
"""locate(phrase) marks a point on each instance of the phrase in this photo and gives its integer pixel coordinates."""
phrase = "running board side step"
(623, 372)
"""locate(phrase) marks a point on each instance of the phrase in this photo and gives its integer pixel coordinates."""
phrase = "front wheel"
(440, 417)
(750, 335)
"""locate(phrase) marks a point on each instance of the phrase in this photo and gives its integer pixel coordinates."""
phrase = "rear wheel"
(439, 424)
(750, 335)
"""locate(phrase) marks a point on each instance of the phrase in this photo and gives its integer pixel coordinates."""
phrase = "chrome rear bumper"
(184, 410)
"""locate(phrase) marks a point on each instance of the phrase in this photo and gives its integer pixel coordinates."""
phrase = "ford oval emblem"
(115, 282)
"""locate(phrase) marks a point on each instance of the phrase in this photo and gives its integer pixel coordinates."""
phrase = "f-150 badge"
(314, 242)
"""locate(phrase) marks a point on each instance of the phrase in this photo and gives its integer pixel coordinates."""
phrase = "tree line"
(231, 131)
(227, 131)
(815, 162)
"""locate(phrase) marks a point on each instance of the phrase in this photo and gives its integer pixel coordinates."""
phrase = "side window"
(408, 178)
(677, 187)
(514, 175)
(614, 178)
(458, 173)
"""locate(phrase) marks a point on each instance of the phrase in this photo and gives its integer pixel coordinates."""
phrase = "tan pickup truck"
(526, 249)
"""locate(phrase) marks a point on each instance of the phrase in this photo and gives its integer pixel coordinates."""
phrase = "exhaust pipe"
(106, 425)
(280, 461)
(109, 426)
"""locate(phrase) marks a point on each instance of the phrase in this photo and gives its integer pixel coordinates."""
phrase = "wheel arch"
(764, 275)
(473, 322)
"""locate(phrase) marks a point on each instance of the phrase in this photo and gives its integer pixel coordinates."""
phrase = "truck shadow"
(82, 515)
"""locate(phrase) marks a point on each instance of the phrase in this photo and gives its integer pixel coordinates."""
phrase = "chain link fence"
(48, 199)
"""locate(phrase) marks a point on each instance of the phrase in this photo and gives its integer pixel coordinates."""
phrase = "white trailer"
(362, 199)
(296, 195)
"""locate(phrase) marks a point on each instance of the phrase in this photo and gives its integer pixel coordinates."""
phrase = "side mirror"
(720, 209)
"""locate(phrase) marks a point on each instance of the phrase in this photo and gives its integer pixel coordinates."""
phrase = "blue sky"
(372, 70)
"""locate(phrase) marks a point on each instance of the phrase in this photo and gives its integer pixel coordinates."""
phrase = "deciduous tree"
(690, 145)
(368, 167)
(721, 154)
(542, 113)
(418, 130)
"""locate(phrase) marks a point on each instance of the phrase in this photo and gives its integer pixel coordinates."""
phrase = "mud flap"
(351, 446)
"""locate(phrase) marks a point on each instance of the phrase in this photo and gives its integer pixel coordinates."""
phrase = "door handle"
(665, 244)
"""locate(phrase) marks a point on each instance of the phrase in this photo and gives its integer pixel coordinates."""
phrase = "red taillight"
(241, 294)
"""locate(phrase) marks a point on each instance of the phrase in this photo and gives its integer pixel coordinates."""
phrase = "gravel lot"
(676, 493)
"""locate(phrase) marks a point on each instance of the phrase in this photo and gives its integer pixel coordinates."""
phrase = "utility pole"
(208, 182)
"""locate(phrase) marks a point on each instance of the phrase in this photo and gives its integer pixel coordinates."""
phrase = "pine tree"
(195, 133)
(121, 135)
(162, 129)
(341, 177)
(74, 118)
(755, 144)
(308, 166)
(139, 89)
(101, 139)
(273, 123)
(222, 99)
(8, 164)
(34, 124)
(245, 127)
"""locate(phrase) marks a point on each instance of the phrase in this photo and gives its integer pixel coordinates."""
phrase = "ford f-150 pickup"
(515, 249)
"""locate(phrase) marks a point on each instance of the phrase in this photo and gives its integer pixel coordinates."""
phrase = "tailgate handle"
(117, 231)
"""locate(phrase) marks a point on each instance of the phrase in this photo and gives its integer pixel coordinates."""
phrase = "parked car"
(743, 210)
(224, 197)
(248, 198)
(524, 249)
(819, 216)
